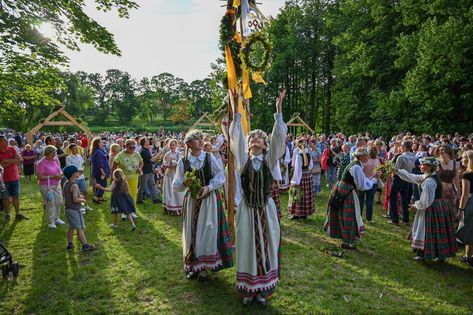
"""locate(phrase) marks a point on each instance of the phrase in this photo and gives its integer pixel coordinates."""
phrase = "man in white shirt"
(78, 161)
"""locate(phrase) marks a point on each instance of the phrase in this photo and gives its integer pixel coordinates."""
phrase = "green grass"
(141, 272)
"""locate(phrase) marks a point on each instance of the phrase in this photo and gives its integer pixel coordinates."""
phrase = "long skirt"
(465, 233)
(433, 232)
(285, 182)
(258, 248)
(172, 200)
(305, 205)
(387, 191)
(275, 195)
(449, 196)
(206, 242)
(346, 222)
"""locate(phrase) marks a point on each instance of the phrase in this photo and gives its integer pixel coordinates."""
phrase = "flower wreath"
(246, 51)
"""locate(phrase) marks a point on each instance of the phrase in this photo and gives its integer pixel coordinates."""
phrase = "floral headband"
(429, 161)
(193, 135)
(258, 133)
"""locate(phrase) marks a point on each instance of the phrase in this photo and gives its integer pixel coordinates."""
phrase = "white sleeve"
(362, 182)
(411, 178)
(218, 174)
(297, 167)
(427, 195)
(219, 143)
(68, 160)
(178, 181)
(287, 157)
(238, 145)
(278, 141)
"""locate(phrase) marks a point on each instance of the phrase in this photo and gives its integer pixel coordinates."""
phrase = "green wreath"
(247, 63)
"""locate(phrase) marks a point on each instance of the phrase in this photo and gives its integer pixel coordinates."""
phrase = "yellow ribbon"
(258, 78)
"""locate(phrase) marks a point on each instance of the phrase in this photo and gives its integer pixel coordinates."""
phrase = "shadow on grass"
(67, 282)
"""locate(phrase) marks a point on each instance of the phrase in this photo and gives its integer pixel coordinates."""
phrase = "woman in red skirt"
(433, 232)
(302, 179)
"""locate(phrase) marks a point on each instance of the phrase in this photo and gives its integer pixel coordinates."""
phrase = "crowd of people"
(432, 178)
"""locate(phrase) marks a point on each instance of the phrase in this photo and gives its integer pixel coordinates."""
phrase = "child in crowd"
(73, 201)
(75, 159)
(121, 200)
(2, 184)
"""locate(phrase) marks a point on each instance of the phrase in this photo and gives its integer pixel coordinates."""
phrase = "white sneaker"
(261, 300)
(88, 208)
(123, 216)
(60, 222)
(52, 226)
(134, 215)
(247, 300)
(114, 226)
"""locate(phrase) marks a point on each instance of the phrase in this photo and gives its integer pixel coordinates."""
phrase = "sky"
(175, 36)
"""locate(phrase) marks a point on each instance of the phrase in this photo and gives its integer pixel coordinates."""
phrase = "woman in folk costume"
(343, 211)
(284, 163)
(433, 232)
(172, 200)
(205, 238)
(302, 178)
(258, 235)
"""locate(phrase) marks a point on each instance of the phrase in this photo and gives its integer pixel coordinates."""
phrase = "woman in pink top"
(368, 169)
(49, 173)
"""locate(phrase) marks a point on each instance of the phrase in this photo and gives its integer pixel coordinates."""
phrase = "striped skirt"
(305, 205)
(440, 240)
(341, 223)
(275, 194)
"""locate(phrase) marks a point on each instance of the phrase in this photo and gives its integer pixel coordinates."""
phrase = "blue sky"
(176, 36)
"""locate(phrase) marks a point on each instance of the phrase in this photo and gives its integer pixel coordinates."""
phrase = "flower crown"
(258, 133)
(193, 134)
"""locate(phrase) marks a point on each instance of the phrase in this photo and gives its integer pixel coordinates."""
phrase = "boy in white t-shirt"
(78, 161)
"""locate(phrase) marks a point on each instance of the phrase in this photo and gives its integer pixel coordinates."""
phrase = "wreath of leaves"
(256, 37)
(227, 37)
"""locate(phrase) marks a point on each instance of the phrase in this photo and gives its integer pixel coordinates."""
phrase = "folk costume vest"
(256, 184)
(438, 190)
(346, 176)
(204, 174)
(305, 166)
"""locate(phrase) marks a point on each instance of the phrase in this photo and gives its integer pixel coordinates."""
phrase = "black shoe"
(88, 248)
(348, 246)
(20, 217)
(7, 218)
(133, 227)
(70, 246)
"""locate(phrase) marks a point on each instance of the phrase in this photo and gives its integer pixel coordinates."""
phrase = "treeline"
(383, 66)
(117, 99)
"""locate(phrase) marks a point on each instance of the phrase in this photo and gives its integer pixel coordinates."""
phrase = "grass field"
(141, 272)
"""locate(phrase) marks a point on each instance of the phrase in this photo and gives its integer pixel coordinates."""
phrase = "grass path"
(141, 272)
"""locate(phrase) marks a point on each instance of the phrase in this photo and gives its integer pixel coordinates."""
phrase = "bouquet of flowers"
(192, 182)
(295, 194)
(387, 169)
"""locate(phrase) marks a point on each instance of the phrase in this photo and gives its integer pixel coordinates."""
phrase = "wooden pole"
(230, 168)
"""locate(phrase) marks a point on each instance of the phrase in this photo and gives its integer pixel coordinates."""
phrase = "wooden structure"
(296, 123)
(48, 121)
(205, 122)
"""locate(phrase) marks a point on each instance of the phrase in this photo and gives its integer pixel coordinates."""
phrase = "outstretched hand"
(280, 100)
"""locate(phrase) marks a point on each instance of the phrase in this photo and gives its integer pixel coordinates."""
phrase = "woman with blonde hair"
(131, 164)
(465, 233)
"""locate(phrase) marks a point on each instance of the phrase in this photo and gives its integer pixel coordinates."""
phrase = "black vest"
(438, 190)
(346, 176)
(204, 173)
(305, 166)
(256, 185)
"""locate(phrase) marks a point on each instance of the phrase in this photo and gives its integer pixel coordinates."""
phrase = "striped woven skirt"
(305, 205)
(440, 240)
(341, 223)
(275, 194)
(204, 247)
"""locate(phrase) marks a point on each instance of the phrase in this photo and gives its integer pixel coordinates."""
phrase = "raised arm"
(238, 145)
(277, 145)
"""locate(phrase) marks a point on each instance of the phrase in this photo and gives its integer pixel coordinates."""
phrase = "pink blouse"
(48, 168)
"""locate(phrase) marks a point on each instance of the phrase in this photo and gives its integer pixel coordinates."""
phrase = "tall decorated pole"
(243, 58)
